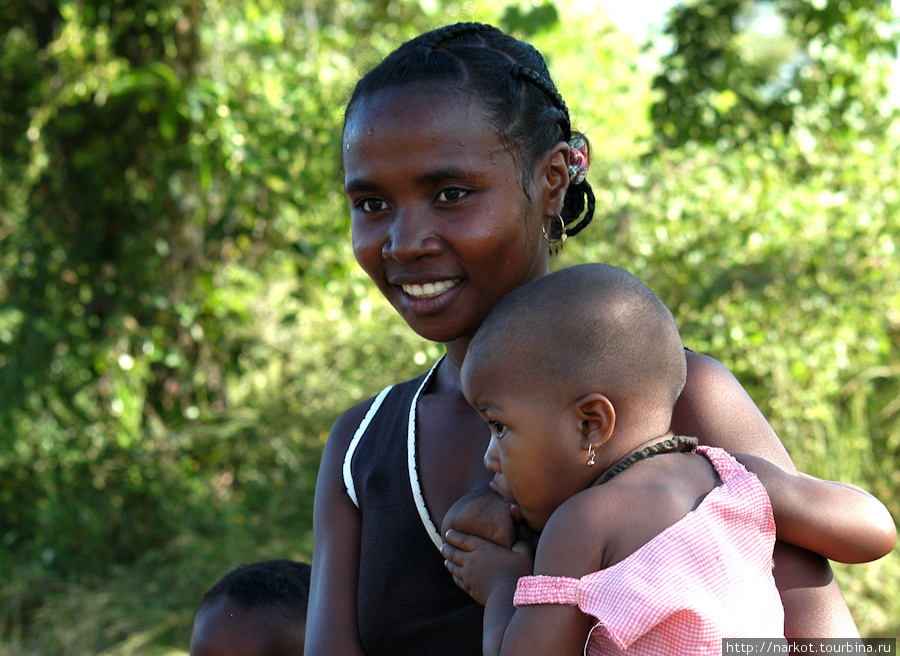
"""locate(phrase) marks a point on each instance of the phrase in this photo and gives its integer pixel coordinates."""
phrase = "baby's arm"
(489, 573)
(836, 520)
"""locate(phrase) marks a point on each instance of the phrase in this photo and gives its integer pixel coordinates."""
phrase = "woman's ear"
(555, 179)
(597, 418)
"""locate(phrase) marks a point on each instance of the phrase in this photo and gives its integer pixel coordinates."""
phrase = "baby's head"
(254, 610)
(586, 328)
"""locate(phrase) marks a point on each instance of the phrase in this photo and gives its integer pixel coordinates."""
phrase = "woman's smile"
(428, 298)
(429, 289)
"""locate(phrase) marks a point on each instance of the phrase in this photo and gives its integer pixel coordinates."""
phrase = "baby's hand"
(478, 565)
(483, 513)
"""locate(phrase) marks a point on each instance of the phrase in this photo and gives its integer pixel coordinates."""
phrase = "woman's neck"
(446, 378)
(456, 354)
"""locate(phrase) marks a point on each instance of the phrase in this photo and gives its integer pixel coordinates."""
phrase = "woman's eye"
(451, 195)
(371, 205)
(498, 429)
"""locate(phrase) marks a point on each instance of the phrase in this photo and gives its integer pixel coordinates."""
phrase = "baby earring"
(591, 455)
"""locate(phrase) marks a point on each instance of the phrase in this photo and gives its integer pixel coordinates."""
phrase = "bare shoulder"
(345, 426)
(709, 401)
(575, 540)
(715, 408)
(705, 373)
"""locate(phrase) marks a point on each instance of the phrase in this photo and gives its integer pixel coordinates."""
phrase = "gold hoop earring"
(557, 240)
(591, 455)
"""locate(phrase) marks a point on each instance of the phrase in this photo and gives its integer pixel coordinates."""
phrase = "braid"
(575, 204)
(450, 32)
(545, 85)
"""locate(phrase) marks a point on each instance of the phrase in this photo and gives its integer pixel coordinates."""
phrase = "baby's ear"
(597, 418)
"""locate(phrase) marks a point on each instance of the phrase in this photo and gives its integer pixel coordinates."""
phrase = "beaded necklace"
(671, 445)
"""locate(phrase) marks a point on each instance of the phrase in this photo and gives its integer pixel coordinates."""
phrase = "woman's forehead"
(428, 108)
(418, 128)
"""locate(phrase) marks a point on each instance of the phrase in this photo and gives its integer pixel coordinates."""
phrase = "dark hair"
(511, 79)
(281, 585)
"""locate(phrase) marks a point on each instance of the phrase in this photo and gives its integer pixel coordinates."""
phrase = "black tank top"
(407, 601)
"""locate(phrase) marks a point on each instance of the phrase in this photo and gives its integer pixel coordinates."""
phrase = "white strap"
(588, 641)
(411, 461)
(364, 424)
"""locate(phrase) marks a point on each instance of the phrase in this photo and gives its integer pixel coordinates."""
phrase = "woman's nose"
(411, 236)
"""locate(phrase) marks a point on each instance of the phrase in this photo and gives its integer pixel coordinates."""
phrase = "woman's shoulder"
(715, 407)
(348, 422)
(709, 386)
(703, 365)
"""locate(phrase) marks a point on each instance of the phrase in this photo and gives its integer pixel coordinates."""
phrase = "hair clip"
(579, 160)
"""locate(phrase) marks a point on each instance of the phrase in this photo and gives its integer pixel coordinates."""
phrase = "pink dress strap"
(546, 590)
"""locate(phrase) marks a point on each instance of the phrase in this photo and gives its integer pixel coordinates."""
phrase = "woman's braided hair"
(511, 79)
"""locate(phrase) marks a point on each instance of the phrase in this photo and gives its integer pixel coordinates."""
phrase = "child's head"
(254, 610)
(457, 155)
(586, 360)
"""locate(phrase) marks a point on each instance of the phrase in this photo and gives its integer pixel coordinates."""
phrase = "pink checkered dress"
(706, 577)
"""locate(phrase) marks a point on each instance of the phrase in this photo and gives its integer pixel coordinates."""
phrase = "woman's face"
(440, 219)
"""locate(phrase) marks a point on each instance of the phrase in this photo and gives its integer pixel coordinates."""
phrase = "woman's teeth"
(429, 288)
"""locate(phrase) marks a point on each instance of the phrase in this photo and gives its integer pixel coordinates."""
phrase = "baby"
(648, 542)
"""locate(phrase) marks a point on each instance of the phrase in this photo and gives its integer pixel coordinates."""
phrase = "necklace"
(671, 445)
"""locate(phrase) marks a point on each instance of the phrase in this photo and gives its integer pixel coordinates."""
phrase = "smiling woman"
(462, 171)
(456, 158)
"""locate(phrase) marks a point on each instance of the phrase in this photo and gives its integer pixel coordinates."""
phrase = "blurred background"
(182, 319)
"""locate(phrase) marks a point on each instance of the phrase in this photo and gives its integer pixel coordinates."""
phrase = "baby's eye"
(452, 195)
(497, 428)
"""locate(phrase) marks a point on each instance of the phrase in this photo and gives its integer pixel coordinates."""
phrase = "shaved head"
(587, 328)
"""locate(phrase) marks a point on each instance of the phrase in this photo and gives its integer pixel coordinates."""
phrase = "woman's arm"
(836, 520)
(331, 623)
(716, 409)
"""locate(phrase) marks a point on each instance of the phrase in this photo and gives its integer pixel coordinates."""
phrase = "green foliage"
(181, 319)
(740, 69)
(531, 21)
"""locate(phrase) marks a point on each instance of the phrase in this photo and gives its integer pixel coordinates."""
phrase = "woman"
(460, 166)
